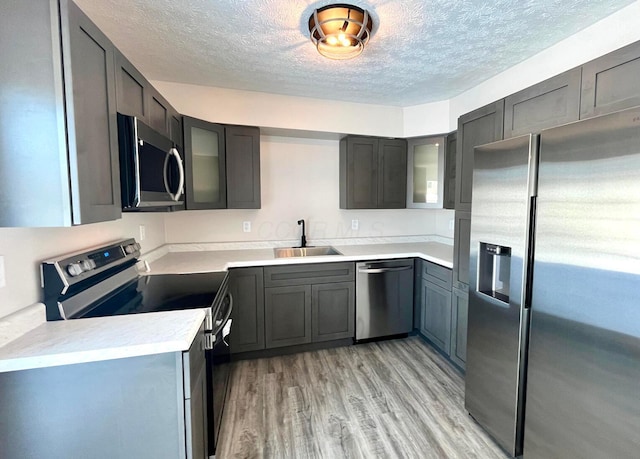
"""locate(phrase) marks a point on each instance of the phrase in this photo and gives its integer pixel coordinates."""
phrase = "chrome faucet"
(303, 239)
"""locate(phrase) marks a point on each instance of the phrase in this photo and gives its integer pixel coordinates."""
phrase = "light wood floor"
(387, 399)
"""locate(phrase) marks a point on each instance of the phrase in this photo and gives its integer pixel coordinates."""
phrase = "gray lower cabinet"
(459, 312)
(373, 173)
(309, 303)
(550, 103)
(478, 127)
(435, 304)
(151, 406)
(247, 289)
(611, 82)
(287, 316)
(333, 311)
(62, 76)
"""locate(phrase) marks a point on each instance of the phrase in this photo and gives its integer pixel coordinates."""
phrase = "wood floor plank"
(387, 399)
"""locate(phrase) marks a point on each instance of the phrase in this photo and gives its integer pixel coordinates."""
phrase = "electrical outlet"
(355, 224)
(451, 224)
(246, 227)
(143, 232)
(3, 280)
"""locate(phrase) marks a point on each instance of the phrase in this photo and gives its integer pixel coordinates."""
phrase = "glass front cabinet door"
(205, 172)
(425, 169)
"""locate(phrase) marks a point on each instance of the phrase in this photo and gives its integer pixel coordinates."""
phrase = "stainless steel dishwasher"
(384, 298)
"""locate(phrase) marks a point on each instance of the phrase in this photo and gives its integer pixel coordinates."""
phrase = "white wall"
(300, 180)
(24, 248)
(611, 33)
(250, 108)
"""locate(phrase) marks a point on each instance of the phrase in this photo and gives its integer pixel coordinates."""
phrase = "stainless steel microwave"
(151, 169)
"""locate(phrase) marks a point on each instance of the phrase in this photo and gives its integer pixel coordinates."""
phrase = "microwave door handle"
(181, 170)
(136, 162)
(176, 196)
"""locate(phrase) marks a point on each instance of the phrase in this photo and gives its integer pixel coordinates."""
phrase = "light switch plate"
(246, 227)
(143, 233)
(355, 224)
(3, 280)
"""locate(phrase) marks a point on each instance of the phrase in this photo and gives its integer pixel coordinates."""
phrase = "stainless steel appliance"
(384, 298)
(555, 289)
(151, 168)
(104, 281)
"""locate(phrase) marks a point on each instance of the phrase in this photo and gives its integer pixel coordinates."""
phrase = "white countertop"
(68, 342)
(222, 260)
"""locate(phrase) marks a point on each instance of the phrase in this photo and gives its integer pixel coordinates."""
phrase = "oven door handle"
(178, 193)
(219, 325)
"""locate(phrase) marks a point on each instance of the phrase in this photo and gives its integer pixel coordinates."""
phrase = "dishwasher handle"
(383, 270)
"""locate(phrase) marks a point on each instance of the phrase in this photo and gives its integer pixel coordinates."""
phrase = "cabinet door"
(90, 91)
(392, 174)
(243, 167)
(460, 306)
(287, 316)
(359, 173)
(436, 315)
(425, 172)
(175, 121)
(461, 246)
(205, 176)
(481, 126)
(132, 89)
(611, 82)
(159, 112)
(333, 311)
(247, 287)
(196, 418)
(553, 102)
(449, 193)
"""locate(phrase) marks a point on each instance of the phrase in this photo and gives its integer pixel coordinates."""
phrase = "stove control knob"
(129, 249)
(88, 265)
(74, 269)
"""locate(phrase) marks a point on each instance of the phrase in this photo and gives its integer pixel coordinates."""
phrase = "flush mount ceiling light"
(340, 31)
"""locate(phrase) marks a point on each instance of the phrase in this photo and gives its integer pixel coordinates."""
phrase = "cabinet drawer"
(320, 273)
(193, 362)
(437, 274)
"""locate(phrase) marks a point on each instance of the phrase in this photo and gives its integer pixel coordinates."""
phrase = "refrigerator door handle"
(530, 256)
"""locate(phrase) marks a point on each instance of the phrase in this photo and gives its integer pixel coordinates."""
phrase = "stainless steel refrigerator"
(553, 346)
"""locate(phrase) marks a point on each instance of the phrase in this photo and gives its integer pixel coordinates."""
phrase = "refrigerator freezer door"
(583, 388)
(503, 184)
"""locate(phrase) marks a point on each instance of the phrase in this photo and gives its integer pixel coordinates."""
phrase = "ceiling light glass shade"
(340, 31)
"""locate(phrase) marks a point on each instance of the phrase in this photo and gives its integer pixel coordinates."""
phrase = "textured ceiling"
(420, 51)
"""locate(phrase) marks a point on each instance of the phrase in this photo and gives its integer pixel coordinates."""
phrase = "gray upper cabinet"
(426, 165)
(159, 113)
(481, 126)
(243, 167)
(392, 173)
(175, 126)
(553, 102)
(373, 173)
(132, 89)
(205, 177)
(59, 117)
(611, 82)
(449, 193)
(222, 165)
(247, 288)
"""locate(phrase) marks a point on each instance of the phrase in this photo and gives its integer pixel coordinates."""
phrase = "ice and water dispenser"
(494, 271)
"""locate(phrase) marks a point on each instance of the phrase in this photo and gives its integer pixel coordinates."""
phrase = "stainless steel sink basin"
(288, 252)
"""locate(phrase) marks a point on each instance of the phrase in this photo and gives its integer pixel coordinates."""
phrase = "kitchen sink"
(288, 252)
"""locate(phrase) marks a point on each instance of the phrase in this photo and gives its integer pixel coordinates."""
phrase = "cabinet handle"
(383, 270)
